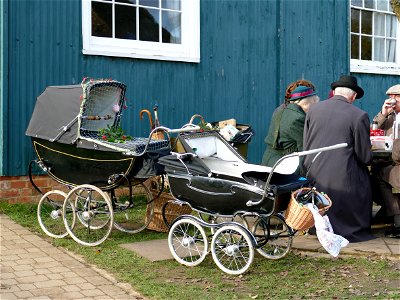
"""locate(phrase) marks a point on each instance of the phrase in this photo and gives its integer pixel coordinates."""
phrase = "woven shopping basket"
(298, 216)
(172, 211)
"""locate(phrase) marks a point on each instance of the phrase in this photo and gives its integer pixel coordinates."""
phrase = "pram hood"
(65, 113)
(55, 108)
(192, 165)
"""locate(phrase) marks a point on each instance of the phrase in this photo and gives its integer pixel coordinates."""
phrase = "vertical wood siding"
(250, 51)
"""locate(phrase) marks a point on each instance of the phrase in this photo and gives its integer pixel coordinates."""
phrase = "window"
(150, 29)
(375, 37)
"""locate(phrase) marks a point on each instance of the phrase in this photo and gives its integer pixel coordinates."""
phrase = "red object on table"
(376, 132)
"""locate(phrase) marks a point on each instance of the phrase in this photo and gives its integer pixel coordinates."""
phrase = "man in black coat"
(342, 174)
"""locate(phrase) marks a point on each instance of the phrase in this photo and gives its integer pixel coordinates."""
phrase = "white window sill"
(384, 69)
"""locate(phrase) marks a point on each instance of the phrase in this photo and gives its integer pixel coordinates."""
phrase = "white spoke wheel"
(232, 249)
(276, 236)
(93, 212)
(133, 216)
(49, 214)
(187, 242)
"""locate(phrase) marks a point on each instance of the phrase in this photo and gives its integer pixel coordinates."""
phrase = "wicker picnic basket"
(298, 216)
(172, 211)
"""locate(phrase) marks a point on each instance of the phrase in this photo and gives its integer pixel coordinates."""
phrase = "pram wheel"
(187, 242)
(49, 214)
(130, 215)
(232, 249)
(93, 212)
(273, 235)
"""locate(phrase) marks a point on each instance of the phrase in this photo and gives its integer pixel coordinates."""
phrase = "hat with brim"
(349, 82)
(301, 92)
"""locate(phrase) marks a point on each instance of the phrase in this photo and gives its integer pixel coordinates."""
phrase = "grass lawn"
(295, 276)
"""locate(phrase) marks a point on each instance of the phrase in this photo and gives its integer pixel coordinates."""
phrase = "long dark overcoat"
(341, 173)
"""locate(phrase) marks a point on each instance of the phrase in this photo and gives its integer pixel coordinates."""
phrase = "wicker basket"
(299, 217)
(172, 211)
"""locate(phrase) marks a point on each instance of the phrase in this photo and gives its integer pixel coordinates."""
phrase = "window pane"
(379, 49)
(171, 4)
(369, 3)
(366, 48)
(171, 23)
(101, 19)
(125, 22)
(366, 21)
(356, 3)
(126, 1)
(379, 24)
(149, 24)
(354, 46)
(151, 3)
(355, 20)
(391, 26)
(391, 50)
(382, 5)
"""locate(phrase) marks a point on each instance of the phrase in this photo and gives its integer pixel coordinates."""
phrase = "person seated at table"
(388, 179)
(285, 134)
(386, 117)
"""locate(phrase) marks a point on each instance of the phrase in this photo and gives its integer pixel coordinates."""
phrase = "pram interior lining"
(102, 107)
(222, 161)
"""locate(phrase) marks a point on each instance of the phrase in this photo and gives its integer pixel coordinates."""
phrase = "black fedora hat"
(349, 82)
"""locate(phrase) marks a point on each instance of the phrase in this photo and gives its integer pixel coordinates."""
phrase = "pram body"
(65, 134)
(218, 180)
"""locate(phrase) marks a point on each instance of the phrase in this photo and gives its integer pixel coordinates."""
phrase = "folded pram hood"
(56, 109)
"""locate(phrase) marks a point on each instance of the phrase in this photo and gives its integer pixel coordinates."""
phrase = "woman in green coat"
(285, 134)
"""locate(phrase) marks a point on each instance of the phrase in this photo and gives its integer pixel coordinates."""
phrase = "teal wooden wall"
(250, 51)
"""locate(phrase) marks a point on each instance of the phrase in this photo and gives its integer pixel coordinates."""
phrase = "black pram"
(240, 202)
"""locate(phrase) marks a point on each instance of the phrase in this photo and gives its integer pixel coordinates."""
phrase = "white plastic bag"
(331, 242)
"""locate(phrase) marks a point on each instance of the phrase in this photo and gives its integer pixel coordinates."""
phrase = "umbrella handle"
(149, 115)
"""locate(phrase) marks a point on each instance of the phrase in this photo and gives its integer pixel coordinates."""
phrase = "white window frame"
(187, 51)
(375, 67)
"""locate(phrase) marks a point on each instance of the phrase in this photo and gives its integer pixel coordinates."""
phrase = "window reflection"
(366, 47)
(151, 3)
(125, 22)
(354, 46)
(101, 19)
(366, 21)
(148, 25)
(171, 22)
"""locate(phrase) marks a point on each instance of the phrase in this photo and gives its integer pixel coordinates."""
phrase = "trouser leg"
(391, 201)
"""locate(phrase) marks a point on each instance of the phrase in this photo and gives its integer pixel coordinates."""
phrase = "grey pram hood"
(56, 110)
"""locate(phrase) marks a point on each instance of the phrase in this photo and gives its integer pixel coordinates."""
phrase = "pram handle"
(184, 128)
(333, 147)
(302, 153)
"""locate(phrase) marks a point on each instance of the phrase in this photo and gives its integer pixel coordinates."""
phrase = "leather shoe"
(393, 232)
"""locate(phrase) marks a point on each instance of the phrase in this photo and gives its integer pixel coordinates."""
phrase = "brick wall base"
(16, 189)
